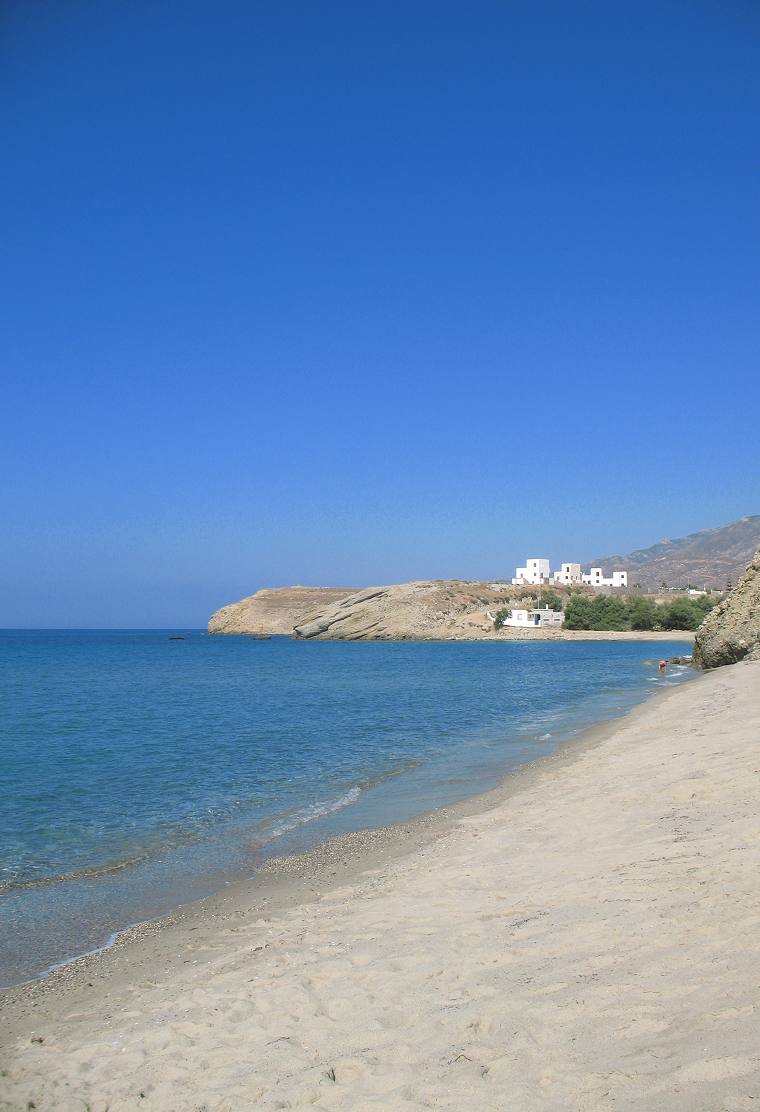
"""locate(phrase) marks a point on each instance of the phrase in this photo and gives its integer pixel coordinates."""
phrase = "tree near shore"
(608, 613)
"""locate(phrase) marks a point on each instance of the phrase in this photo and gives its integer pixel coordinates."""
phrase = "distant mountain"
(711, 557)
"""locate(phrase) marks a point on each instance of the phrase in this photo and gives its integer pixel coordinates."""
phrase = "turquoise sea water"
(140, 772)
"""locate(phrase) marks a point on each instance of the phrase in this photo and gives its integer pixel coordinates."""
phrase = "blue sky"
(348, 294)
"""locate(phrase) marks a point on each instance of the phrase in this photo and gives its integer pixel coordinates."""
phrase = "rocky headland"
(424, 610)
(274, 609)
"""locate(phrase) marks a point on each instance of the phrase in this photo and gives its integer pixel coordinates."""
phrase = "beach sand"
(516, 634)
(586, 937)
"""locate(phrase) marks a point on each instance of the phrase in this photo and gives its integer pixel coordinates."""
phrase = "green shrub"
(643, 613)
(686, 613)
(500, 617)
(611, 612)
(578, 612)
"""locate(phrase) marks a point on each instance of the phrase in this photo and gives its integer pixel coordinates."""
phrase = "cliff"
(274, 609)
(732, 630)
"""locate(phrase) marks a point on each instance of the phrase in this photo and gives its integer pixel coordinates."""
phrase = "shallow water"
(139, 773)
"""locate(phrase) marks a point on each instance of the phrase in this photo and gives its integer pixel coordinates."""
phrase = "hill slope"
(711, 556)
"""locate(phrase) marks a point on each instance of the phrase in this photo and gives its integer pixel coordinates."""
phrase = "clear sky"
(351, 293)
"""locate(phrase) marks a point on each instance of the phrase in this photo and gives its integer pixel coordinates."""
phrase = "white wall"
(596, 578)
(568, 573)
(536, 571)
(526, 619)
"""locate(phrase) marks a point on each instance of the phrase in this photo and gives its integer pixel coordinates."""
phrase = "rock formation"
(732, 630)
(426, 609)
(274, 610)
(429, 609)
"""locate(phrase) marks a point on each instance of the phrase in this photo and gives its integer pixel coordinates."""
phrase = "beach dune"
(588, 940)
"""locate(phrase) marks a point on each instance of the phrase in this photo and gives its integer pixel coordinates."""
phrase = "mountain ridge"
(710, 557)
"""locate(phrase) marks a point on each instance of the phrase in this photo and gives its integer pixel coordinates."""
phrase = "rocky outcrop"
(731, 631)
(424, 610)
(427, 609)
(275, 609)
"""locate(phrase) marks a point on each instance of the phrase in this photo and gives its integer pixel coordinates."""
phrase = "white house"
(568, 573)
(596, 578)
(529, 619)
(536, 571)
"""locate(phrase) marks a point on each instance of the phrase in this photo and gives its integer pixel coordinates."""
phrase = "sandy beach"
(585, 937)
(506, 634)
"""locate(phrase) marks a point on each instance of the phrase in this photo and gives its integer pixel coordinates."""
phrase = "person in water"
(663, 665)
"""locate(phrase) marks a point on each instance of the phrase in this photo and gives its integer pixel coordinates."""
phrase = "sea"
(144, 769)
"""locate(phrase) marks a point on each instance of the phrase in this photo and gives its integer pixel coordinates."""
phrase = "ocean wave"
(277, 826)
(308, 814)
(89, 872)
(267, 830)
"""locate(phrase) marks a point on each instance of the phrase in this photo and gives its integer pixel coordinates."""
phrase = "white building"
(568, 574)
(530, 619)
(596, 578)
(536, 571)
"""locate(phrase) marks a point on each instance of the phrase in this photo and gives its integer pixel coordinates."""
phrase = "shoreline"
(584, 936)
(281, 883)
(507, 634)
(479, 634)
(283, 878)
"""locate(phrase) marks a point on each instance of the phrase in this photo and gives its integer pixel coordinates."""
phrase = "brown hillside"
(711, 557)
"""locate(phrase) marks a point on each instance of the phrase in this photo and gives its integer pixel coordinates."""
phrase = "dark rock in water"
(175, 638)
(731, 631)
(680, 660)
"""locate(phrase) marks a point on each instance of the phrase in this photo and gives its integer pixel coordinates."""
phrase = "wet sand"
(584, 937)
